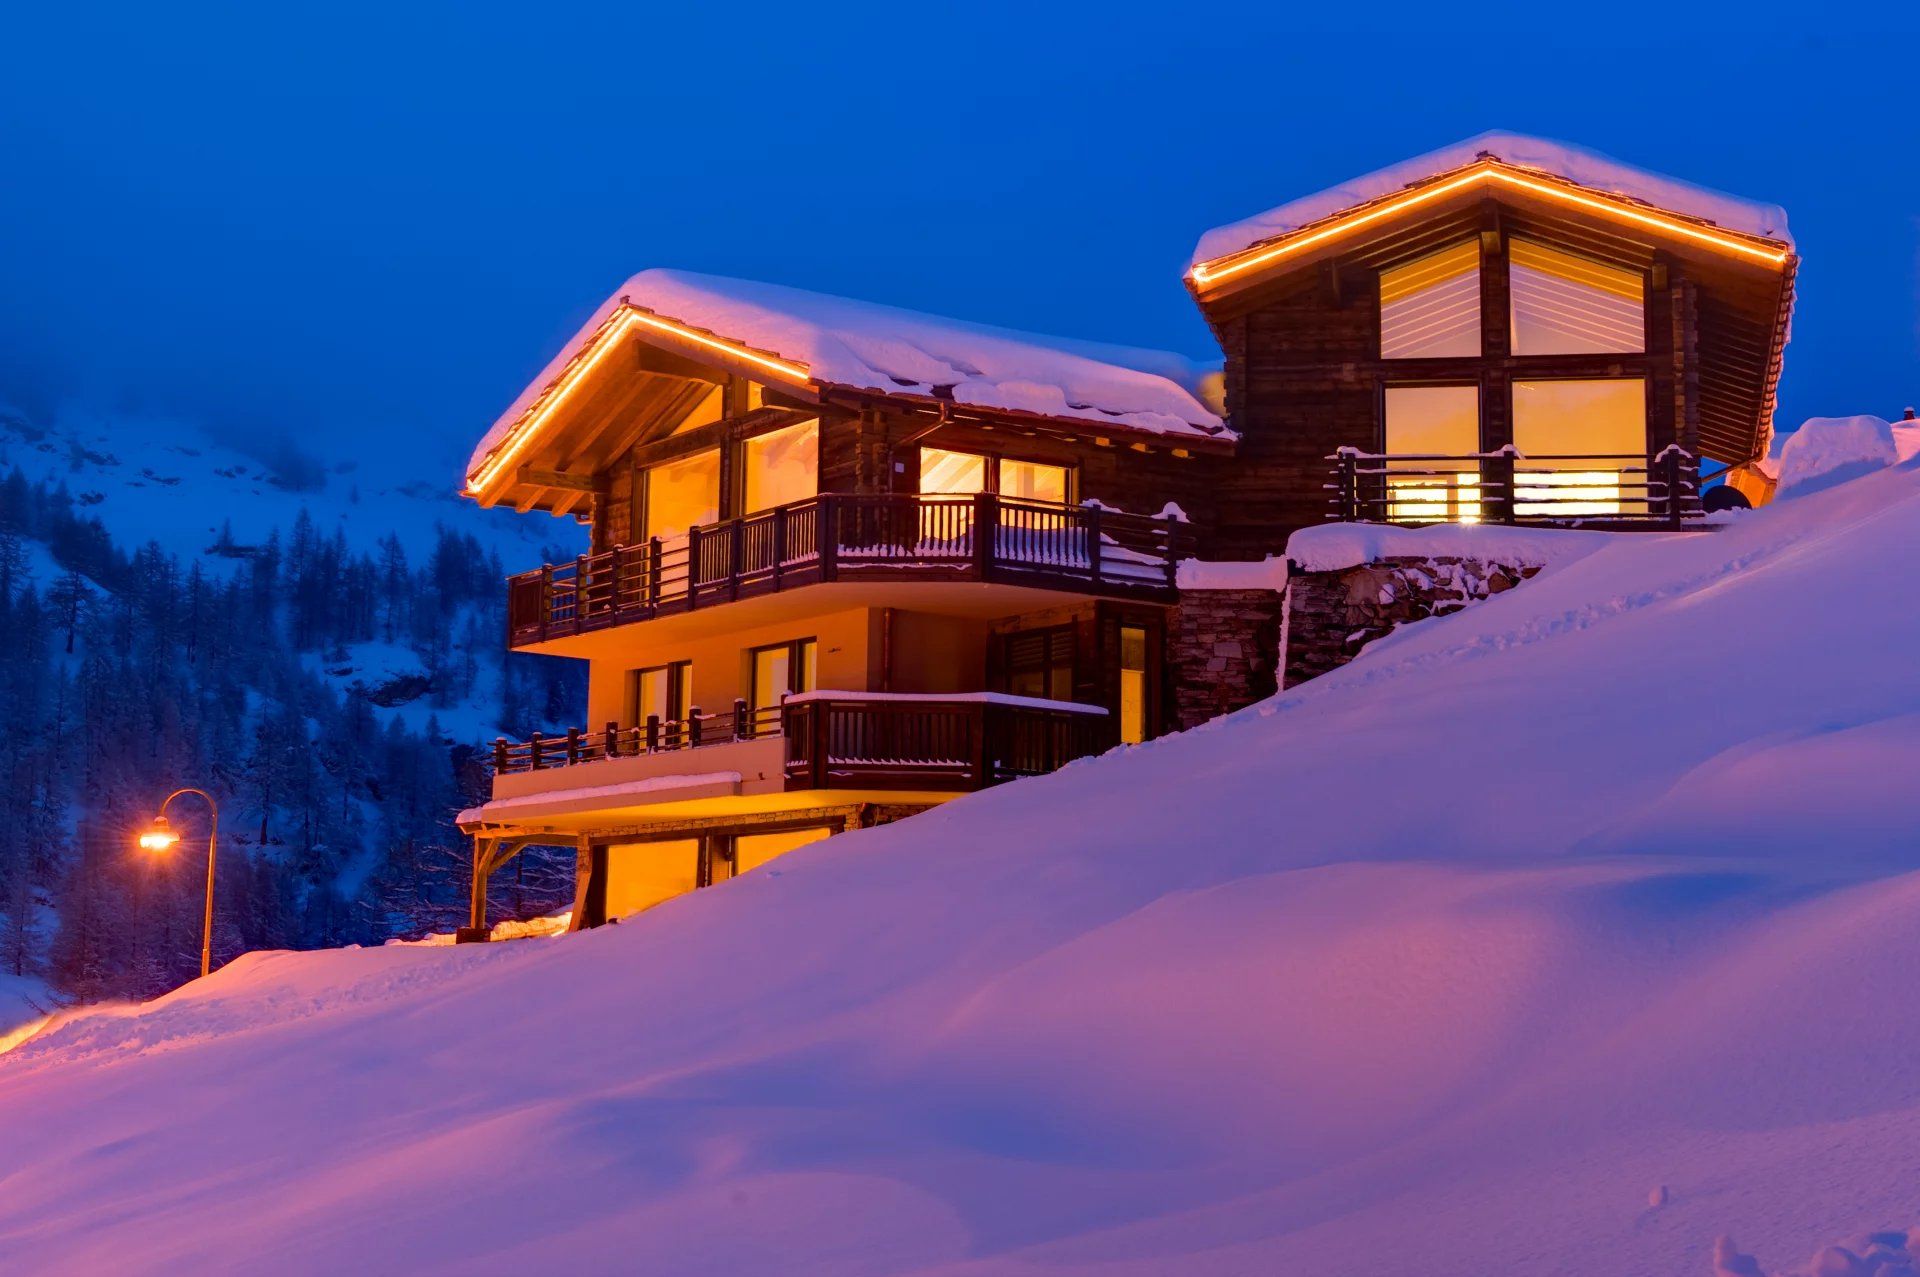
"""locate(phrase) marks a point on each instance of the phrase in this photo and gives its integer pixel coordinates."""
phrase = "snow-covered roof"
(866, 346)
(1558, 159)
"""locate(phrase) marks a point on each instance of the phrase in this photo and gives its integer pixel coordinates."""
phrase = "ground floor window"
(1039, 663)
(1576, 436)
(1432, 421)
(641, 875)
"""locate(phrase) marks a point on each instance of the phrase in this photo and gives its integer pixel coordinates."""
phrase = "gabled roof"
(1509, 158)
(792, 338)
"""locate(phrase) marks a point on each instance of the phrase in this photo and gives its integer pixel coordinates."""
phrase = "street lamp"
(160, 836)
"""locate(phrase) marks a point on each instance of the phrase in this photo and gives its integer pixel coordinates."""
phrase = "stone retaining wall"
(1222, 646)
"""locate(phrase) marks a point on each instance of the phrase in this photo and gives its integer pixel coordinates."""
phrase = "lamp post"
(160, 836)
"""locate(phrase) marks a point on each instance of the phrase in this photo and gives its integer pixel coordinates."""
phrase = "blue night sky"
(370, 224)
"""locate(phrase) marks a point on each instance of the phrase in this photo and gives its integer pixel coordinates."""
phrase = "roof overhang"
(1232, 271)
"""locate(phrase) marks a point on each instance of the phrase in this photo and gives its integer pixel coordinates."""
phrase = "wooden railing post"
(573, 745)
(653, 574)
(653, 733)
(986, 523)
(1348, 481)
(534, 743)
(779, 543)
(828, 519)
(744, 728)
(1670, 465)
(500, 756)
(613, 583)
(546, 599)
(693, 567)
(737, 559)
(610, 743)
(818, 749)
(1094, 554)
(693, 727)
(980, 756)
(579, 592)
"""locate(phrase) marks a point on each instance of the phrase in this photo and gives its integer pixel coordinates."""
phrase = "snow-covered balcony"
(949, 742)
(1508, 486)
(871, 537)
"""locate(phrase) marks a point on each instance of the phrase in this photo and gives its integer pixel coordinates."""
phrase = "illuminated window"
(782, 466)
(1435, 422)
(1567, 305)
(710, 409)
(1430, 308)
(683, 494)
(1133, 684)
(942, 471)
(750, 851)
(956, 472)
(641, 875)
(776, 671)
(1039, 663)
(1579, 433)
(662, 691)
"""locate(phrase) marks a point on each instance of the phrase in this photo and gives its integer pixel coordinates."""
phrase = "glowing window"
(956, 472)
(781, 669)
(683, 494)
(1567, 305)
(1032, 481)
(661, 692)
(750, 851)
(1133, 684)
(1430, 308)
(782, 466)
(1574, 437)
(1430, 427)
(711, 408)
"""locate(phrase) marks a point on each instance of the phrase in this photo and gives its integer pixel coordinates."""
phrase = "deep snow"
(1598, 895)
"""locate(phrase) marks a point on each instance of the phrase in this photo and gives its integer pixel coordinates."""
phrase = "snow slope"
(1597, 895)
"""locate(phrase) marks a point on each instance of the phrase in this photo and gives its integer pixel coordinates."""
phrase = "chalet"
(849, 561)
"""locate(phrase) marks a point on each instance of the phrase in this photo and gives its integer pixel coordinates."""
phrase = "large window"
(1584, 432)
(1568, 305)
(682, 494)
(1433, 421)
(776, 671)
(782, 466)
(1430, 308)
(662, 691)
(1039, 663)
(943, 471)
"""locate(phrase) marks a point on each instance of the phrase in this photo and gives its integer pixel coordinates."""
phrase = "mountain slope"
(1453, 962)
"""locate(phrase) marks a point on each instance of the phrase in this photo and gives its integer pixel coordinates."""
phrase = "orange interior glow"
(1231, 264)
(623, 320)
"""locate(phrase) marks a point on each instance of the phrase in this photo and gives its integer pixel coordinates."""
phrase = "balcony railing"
(860, 740)
(851, 536)
(1509, 487)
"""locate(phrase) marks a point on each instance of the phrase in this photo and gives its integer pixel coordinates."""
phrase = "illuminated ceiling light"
(1211, 272)
(623, 320)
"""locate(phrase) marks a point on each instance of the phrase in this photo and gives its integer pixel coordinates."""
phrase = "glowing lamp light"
(1497, 174)
(159, 835)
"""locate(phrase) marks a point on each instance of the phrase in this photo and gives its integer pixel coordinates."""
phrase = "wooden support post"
(500, 756)
(986, 522)
(736, 559)
(534, 743)
(653, 574)
(779, 543)
(827, 521)
(573, 746)
(546, 599)
(744, 728)
(1093, 543)
(693, 568)
(579, 592)
(610, 743)
(693, 727)
(653, 733)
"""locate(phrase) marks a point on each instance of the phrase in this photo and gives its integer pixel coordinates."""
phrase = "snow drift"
(1565, 935)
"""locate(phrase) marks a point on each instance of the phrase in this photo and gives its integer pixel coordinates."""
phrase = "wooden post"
(533, 751)
(579, 592)
(744, 728)
(779, 543)
(653, 733)
(500, 756)
(693, 568)
(1346, 462)
(693, 727)
(737, 559)
(573, 746)
(986, 521)
(1093, 542)
(980, 753)
(610, 742)
(1670, 464)
(829, 532)
(477, 887)
(653, 574)
(613, 583)
(546, 598)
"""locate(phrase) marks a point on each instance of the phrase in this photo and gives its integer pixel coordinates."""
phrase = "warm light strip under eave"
(522, 435)
(1208, 272)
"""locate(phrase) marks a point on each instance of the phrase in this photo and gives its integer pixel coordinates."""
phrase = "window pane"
(1433, 420)
(943, 471)
(1133, 684)
(641, 875)
(711, 407)
(683, 493)
(809, 667)
(1031, 481)
(1599, 425)
(1567, 305)
(1430, 308)
(783, 466)
(750, 851)
(770, 666)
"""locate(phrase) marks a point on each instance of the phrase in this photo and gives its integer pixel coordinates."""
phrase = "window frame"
(1067, 632)
(991, 470)
(679, 692)
(796, 650)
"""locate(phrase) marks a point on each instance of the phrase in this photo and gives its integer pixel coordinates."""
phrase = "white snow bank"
(1432, 965)
(873, 347)
(502, 808)
(1258, 574)
(1559, 159)
(1835, 446)
(1334, 547)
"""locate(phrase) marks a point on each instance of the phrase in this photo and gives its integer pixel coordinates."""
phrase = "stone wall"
(1222, 650)
(1332, 615)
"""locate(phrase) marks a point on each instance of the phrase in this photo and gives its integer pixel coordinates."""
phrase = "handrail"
(843, 535)
(1624, 489)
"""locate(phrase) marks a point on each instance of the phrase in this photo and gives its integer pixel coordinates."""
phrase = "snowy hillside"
(165, 481)
(1563, 936)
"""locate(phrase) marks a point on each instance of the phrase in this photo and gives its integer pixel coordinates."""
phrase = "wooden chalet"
(847, 561)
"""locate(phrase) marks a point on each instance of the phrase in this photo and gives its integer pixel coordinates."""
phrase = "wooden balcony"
(1613, 491)
(852, 537)
(858, 740)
